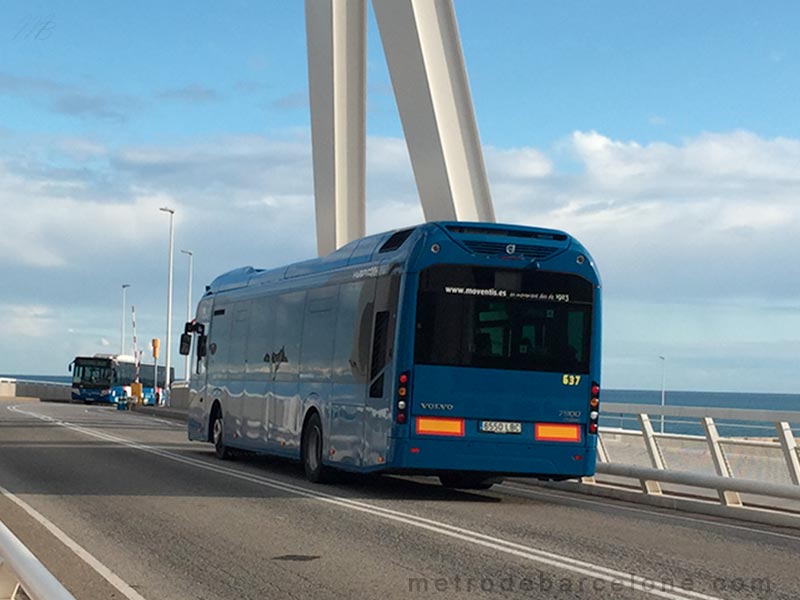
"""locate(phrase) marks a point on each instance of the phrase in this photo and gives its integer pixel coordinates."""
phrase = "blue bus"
(470, 351)
(107, 378)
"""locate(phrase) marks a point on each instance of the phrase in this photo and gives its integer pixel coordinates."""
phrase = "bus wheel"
(467, 481)
(217, 427)
(315, 471)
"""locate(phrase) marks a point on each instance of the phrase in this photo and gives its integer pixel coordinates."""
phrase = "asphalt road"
(120, 505)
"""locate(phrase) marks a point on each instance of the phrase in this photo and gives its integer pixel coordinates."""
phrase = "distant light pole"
(663, 388)
(169, 297)
(188, 305)
(122, 333)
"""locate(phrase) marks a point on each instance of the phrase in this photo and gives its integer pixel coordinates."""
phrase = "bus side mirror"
(186, 344)
(201, 346)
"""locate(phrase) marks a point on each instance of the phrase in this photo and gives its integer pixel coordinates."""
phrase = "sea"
(727, 428)
(748, 400)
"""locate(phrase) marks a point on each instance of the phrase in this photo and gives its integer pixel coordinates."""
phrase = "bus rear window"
(502, 319)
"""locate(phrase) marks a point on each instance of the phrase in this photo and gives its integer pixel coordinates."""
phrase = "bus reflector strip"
(440, 426)
(553, 432)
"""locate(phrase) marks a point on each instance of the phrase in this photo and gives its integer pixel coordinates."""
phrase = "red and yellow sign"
(440, 426)
(557, 432)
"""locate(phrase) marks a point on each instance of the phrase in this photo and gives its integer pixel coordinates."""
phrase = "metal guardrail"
(21, 570)
(667, 465)
(750, 486)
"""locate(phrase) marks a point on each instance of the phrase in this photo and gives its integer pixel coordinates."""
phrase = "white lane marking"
(614, 505)
(82, 553)
(163, 421)
(110, 414)
(589, 570)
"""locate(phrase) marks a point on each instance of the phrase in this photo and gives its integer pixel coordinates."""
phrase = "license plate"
(501, 427)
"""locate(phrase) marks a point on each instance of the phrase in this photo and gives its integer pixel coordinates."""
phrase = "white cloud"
(723, 203)
(518, 163)
(711, 221)
(713, 217)
(45, 225)
(26, 321)
(723, 161)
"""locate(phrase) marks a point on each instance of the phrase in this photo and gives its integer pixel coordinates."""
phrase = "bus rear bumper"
(95, 399)
(551, 460)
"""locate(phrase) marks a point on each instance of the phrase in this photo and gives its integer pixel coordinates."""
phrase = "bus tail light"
(440, 426)
(402, 399)
(594, 407)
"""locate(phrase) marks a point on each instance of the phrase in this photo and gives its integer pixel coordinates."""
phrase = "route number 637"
(570, 379)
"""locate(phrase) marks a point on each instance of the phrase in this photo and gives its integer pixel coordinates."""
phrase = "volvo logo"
(436, 406)
(511, 248)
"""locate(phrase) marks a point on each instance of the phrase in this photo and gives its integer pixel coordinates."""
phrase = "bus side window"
(380, 345)
(219, 340)
(238, 341)
(319, 330)
(260, 340)
(386, 296)
(289, 312)
(364, 334)
(353, 322)
(201, 353)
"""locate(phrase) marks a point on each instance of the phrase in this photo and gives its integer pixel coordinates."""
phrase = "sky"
(664, 136)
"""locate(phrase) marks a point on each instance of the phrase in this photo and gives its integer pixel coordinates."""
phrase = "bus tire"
(217, 428)
(467, 481)
(311, 450)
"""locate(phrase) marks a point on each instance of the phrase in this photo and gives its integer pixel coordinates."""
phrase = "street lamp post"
(169, 298)
(122, 332)
(188, 306)
(663, 388)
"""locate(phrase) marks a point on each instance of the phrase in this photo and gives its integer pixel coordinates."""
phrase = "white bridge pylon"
(426, 63)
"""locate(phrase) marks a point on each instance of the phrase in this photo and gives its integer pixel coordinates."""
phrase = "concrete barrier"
(179, 395)
(17, 388)
(8, 388)
(62, 392)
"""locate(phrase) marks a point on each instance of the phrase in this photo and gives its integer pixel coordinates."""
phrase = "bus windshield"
(524, 320)
(92, 373)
